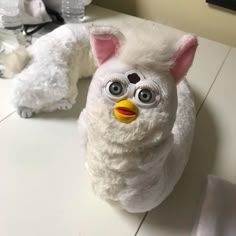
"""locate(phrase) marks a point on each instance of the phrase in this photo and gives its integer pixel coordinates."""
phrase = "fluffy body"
(49, 81)
(136, 166)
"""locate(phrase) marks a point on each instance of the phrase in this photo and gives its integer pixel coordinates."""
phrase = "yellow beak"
(125, 111)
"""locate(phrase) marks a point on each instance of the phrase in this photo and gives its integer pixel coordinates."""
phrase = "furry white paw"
(25, 112)
(63, 105)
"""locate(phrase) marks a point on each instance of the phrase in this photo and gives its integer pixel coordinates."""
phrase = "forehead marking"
(133, 78)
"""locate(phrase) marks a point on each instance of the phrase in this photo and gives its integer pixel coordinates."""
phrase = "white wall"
(188, 15)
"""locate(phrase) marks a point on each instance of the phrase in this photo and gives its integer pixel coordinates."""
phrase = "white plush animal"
(46, 73)
(138, 123)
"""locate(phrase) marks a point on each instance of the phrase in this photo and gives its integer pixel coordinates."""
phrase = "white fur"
(136, 165)
(15, 61)
(158, 55)
(58, 60)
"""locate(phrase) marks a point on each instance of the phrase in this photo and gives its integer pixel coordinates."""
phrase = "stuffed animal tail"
(15, 61)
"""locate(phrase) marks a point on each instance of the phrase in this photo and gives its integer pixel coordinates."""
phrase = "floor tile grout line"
(141, 223)
(216, 76)
(7, 116)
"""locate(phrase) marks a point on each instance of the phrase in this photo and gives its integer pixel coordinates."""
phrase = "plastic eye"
(145, 95)
(115, 88)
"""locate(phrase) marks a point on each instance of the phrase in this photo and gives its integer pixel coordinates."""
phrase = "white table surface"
(44, 189)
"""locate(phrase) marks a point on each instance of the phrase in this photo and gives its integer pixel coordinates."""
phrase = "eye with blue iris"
(147, 95)
(116, 88)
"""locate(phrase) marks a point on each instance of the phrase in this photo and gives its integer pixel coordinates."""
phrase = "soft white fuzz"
(137, 165)
(150, 50)
(58, 60)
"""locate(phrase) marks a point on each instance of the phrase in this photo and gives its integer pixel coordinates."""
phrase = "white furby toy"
(138, 123)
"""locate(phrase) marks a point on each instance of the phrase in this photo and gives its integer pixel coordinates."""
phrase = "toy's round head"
(131, 102)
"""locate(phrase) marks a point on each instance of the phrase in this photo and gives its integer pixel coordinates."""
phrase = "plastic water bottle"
(73, 10)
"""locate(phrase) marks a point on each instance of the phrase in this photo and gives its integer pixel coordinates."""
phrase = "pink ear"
(105, 43)
(183, 58)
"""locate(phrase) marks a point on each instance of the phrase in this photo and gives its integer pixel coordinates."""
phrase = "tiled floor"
(43, 186)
